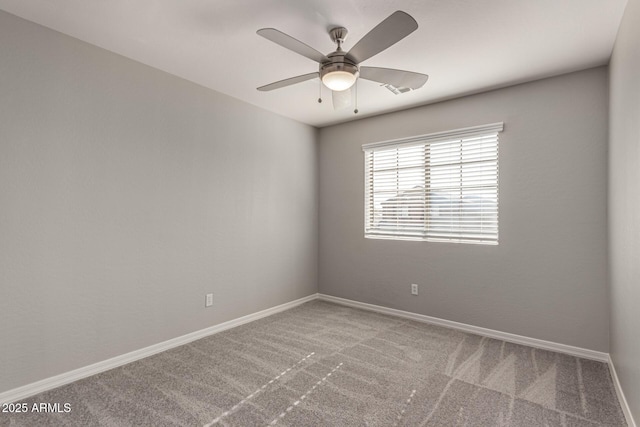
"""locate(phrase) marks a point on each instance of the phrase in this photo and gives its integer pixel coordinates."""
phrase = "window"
(437, 187)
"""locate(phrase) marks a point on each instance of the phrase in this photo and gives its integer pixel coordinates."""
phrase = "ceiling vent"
(397, 90)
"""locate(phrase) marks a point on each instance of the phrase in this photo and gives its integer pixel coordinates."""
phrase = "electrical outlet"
(209, 301)
(414, 289)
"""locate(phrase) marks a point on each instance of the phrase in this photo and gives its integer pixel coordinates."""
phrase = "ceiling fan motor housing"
(339, 62)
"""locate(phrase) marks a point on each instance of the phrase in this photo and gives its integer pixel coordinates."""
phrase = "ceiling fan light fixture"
(339, 74)
(339, 80)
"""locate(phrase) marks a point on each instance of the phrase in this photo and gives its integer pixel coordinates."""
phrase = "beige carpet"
(322, 364)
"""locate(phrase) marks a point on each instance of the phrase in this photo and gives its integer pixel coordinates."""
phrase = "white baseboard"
(621, 398)
(491, 333)
(77, 374)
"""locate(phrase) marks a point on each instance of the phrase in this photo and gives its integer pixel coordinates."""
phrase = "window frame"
(426, 141)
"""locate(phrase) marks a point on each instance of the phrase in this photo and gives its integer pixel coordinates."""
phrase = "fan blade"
(287, 82)
(397, 78)
(387, 33)
(286, 41)
(341, 99)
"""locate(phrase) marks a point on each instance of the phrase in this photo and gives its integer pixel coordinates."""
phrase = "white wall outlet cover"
(209, 300)
(414, 289)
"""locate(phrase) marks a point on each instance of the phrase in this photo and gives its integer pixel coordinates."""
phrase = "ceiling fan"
(339, 70)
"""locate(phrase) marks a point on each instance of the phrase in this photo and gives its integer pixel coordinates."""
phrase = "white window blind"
(437, 187)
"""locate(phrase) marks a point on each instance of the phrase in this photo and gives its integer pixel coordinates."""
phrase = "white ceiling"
(466, 46)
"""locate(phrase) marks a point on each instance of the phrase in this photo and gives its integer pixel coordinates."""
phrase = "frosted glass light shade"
(339, 80)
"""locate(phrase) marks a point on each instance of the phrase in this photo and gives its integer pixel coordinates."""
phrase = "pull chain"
(356, 96)
(320, 93)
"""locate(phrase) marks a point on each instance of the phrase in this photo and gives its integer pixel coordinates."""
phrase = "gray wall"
(547, 278)
(624, 204)
(126, 195)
